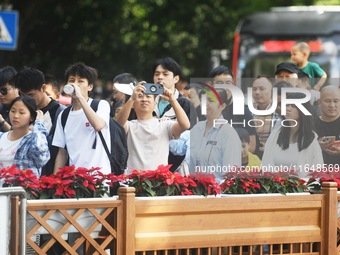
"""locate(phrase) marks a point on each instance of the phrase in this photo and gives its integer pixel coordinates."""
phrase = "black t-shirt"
(324, 128)
(52, 108)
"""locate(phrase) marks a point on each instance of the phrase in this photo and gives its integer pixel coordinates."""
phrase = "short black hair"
(83, 71)
(221, 70)
(7, 76)
(125, 78)
(29, 78)
(168, 64)
(51, 79)
(243, 134)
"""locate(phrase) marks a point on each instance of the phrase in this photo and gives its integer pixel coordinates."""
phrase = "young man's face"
(83, 83)
(51, 92)
(37, 95)
(224, 79)
(7, 94)
(165, 77)
(145, 103)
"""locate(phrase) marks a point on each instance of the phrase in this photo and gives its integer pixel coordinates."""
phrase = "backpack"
(119, 152)
(48, 168)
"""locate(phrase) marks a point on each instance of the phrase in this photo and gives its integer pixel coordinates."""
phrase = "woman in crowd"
(25, 148)
(215, 146)
(294, 145)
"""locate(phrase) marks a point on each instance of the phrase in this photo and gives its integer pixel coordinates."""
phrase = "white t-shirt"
(287, 157)
(8, 149)
(47, 121)
(79, 136)
(148, 143)
(275, 158)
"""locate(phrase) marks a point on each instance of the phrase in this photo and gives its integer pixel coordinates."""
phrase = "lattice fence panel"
(90, 228)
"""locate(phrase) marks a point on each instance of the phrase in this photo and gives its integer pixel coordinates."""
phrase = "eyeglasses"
(4, 90)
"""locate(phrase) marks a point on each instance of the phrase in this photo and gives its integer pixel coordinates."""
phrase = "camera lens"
(153, 89)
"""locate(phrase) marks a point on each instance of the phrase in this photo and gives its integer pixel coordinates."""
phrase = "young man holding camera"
(148, 137)
(167, 72)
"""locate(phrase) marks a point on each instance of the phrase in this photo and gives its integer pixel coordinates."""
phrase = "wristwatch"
(2, 123)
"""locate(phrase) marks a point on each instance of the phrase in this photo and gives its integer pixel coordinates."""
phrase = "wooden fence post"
(330, 218)
(127, 195)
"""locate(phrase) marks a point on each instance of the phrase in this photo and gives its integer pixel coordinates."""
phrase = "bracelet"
(2, 123)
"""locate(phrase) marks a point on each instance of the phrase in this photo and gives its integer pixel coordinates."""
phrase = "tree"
(126, 36)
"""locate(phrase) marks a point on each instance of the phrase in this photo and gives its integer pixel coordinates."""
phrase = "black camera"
(154, 89)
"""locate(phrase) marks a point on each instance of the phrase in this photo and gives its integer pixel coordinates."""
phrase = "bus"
(264, 39)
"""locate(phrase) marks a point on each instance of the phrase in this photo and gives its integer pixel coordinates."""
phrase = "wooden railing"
(338, 224)
(275, 224)
(102, 230)
(256, 224)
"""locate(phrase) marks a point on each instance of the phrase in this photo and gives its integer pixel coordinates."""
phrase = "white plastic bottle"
(68, 89)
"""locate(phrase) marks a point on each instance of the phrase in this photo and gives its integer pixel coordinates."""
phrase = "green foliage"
(127, 36)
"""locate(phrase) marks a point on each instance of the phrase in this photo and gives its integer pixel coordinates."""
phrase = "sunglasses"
(4, 90)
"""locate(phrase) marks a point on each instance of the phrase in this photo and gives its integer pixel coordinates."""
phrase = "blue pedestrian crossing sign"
(8, 30)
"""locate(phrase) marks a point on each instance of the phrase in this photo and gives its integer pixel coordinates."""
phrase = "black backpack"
(119, 152)
(48, 168)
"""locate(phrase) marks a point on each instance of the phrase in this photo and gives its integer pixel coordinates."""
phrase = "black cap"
(290, 67)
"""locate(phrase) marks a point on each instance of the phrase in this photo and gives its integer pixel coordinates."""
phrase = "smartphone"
(328, 139)
(153, 88)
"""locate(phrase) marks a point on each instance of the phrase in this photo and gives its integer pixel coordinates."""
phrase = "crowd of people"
(171, 127)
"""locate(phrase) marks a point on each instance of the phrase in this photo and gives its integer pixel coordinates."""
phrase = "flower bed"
(71, 182)
(162, 182)
(262, 183)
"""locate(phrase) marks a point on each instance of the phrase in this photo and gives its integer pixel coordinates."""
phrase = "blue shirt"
(181, 146)
(33, 152)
